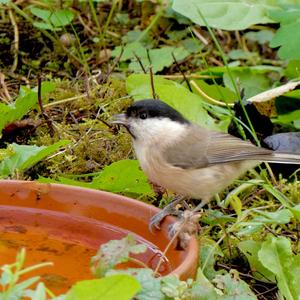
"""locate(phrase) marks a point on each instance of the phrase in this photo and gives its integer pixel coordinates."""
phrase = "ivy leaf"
(225, 14)
(276, 255)
(113, 253)
(117, 287)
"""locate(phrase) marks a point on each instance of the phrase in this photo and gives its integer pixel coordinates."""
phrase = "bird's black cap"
(151, 108)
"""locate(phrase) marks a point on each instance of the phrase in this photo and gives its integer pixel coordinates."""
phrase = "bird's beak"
(120, 119)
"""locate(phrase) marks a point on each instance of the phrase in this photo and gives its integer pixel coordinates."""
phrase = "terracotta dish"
(66, 225)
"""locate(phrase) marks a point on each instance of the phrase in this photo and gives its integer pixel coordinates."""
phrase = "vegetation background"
(67, 66)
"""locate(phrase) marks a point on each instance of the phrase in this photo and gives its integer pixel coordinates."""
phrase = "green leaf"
(23, 156)
(250, 249)
(61, 17)
(116, 287)
(252, 82)
(282, 216)
(292, 69)
(296, 211)
(26, 101)
(217, 92)
(288, 35)
(174, 288)
(225, 14)
(151, 285)
(261, 36)
(41, 13)
(124, 176)
(177, 96)
(203, 289)
(209, 250)
(232, 286)
(113, 253)
(276, 255)
(52, 19)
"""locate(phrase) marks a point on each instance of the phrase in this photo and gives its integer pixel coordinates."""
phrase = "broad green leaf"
(151, 285)
(209, 250)
(130, 50)
(217, 92)
(261, 36)
(116, 287)
(236, 54)
(250, 249)
(113, 253)
(25, 156)
(41, 13)
(282, 216)
(174, 288)
(225, 14)
(296, 211)
(233, 287)
(288, 118)
(252, 82)
(52, 19)
(124, 176)
(43, 25)
(276, 255)
(203, 289)
(61, 17)
(26, 101)
(177, 96)
(288, 35)
(292, 69)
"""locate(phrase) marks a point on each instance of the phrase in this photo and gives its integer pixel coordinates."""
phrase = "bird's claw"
(156, 220)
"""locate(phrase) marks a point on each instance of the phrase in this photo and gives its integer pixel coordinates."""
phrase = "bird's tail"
(283, 158)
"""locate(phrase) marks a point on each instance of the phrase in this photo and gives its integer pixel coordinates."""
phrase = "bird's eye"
(143, 115)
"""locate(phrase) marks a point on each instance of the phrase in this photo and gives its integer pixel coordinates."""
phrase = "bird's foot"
(170, 209)
(185, 228)
(158, 218)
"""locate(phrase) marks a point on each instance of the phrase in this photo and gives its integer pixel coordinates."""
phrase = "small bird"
(193, 162)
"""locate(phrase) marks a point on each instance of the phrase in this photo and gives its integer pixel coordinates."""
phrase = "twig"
(210, 99)
(114, 65)
(16, 39)
(168, 247)
(154, 95)
(7, 96)
(196, 76)
(140, 62)
(40, 102)
(200, 36)
(182, 73)
(66, 100)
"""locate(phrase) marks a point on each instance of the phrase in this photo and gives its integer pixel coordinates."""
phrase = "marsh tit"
(192, 161)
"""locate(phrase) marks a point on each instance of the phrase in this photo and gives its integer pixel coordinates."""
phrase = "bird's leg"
(168, 210)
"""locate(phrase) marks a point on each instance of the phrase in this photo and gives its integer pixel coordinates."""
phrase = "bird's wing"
(200, 148)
